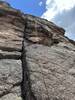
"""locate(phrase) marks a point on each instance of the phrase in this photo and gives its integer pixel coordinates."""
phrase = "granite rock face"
(37, 62)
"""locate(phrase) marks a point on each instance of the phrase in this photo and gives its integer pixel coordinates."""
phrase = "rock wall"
(37, 62)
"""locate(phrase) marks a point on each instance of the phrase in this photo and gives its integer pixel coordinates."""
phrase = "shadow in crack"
(26, 85)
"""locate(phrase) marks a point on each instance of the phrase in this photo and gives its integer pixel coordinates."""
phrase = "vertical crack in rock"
(26, 84)
(37, 62)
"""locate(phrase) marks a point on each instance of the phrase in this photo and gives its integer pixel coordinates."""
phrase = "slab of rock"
(37, 62)
(52, 74)
(11, 38)
(10, 77)
(48, 62)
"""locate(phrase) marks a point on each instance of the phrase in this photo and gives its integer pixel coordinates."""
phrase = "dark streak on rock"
(27, 94)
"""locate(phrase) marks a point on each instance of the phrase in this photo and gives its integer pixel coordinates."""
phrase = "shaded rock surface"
(37, 62)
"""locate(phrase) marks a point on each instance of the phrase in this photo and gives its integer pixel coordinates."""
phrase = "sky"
(34, 7)
(61, 12)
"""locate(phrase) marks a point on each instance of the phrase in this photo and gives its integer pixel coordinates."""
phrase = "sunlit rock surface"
(37, 62)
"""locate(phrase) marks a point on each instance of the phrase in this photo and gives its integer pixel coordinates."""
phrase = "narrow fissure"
(26, 92)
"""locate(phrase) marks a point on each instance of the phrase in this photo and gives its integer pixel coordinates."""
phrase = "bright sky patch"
(61, 12)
